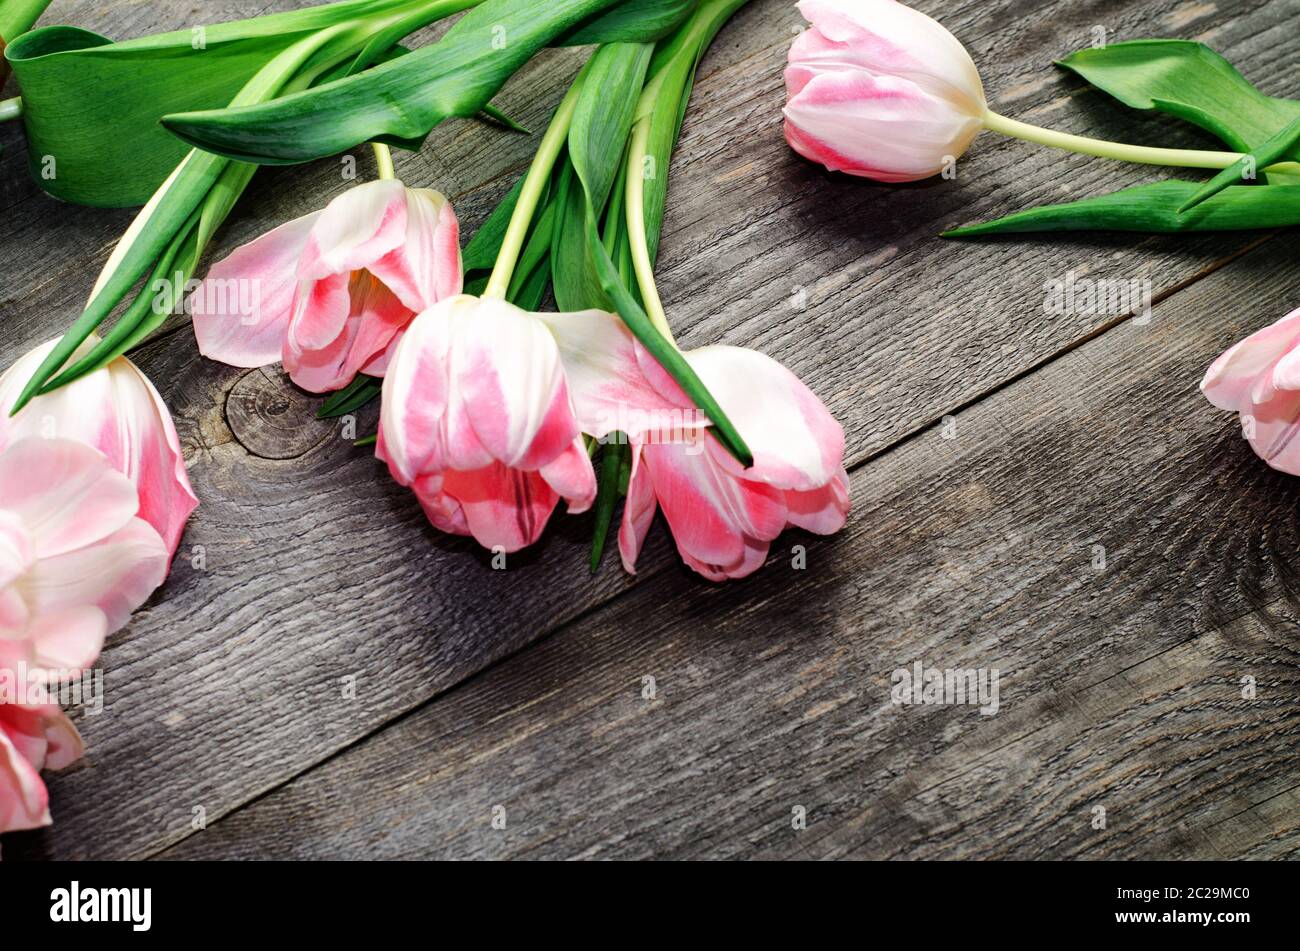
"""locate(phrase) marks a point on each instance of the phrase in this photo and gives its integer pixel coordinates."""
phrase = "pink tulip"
(723, 517)
(477, 419)
(331, 293)
(880, 90)
(75, 560)
(117, 411)
(1259, 377)
(32, 737)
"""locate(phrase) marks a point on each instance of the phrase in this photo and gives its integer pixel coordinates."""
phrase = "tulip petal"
(150, 454)
(1229, 380)
(796, 442)
(426, 267)
(822, 511)
(881, 127)
(638, 512)
(372, 320)
(117, 411)
(443, 511)
(68, 639)
(571, 475)
(66, 494)
(421, 426)
(24, 802)
(884, 37)
(16, 551)
(263, 272)
(63, 742)
(116, 575)
(320, 312)
(752, 557)
(711, 512)
(356, 229)
(511, 384)
(506, 509)
(614, 385)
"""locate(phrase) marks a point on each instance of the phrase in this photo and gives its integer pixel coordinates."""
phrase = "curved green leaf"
(1188, 80)
(1247, 166)
(92, 106)
(596, 144)
(1154, 208)
(399, 102)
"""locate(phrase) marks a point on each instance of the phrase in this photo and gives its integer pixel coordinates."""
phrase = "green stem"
(534, 184)
(383, 160)
(643, 267)
(694, 38)
(11, 109)
(1146, 155)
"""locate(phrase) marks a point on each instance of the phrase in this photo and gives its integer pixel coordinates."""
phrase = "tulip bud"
(332, 292)
(1259, 378)
(880, 90)
(477, 420)
(117, 411)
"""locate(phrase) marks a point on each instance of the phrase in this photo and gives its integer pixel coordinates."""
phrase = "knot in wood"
(272, 418)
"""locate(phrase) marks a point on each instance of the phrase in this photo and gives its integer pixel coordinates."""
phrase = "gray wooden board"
(229, 684)
(1120, 676)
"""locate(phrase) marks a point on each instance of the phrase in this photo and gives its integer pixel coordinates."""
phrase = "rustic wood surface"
(992, 448)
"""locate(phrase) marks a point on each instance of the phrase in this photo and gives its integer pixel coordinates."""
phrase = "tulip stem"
(1146, 155)
(539, 173)
(636, 231)
(383, 160)
(11, 108)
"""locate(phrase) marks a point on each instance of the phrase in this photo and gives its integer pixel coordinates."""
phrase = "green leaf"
(362, 390)
(1188, 80)
(1154, 208)
(481, 252)
(496, 115)
(633, 21)
(668, 356)
(1246, 166)
(194, 200)
(17, 17)
(672, 74)
(596, 144)
(399, 101)
(607, 495)
(93, 105)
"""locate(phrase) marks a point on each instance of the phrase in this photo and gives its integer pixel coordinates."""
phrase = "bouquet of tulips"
(494, 408)
(495, 405)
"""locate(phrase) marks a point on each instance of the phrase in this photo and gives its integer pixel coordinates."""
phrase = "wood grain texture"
(326, 608)
(1120, 686)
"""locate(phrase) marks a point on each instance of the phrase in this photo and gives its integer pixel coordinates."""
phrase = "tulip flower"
(723, 516)
(117, 411)
(477, 420)
(880, 90)
(1259, 377)
(877, 89)
(32, 737)
(332, 292)
(75, 559)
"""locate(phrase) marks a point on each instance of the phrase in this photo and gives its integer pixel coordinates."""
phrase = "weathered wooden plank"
(318, 569)
(1120, 686)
